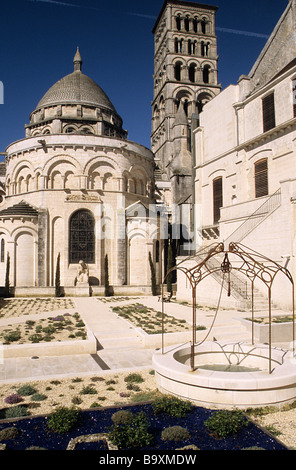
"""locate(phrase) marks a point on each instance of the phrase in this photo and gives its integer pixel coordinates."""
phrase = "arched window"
(178, 71)
(82, 237)
(205, 48)
(206, 74)
(187, 23)
(70, 130)
(261, 178)
(204, 26)
(86, 131)
(195, 22)
(178, 45)
(178, 22)
(189, 46)
(192, 69)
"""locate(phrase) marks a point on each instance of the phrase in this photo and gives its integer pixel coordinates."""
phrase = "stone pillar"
(56, 126)
(83, 182)
(43, 182)
(11, 252)
(121, 247)
(42, 248)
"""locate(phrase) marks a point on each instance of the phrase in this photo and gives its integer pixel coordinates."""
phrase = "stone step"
(124, 342)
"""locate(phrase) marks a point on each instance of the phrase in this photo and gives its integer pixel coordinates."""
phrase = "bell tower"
(185, 76)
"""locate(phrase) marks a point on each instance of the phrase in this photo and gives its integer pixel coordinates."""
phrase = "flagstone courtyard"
(105, 378)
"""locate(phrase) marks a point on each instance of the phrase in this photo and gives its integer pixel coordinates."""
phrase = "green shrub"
(35, 338)
(122, 417)
(36, 448)
(16, 412)
(133, 387)
(76, 400)
(175, 433)
(12, 336)
(38, 397)
(9, 433)
(49, 330)
(134, 377)
(26, 390)
(48, 338)
(133, 434)
(224, 423)
(88, 390)
(172, 406)
(253, 448)
(63, 419)
(95, 405)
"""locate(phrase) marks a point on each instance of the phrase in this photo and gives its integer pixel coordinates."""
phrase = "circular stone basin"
(227, 375)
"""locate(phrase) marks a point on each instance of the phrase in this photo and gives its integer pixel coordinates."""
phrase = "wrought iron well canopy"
(246, 261)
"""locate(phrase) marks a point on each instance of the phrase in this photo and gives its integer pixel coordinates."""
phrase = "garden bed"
(36, 431)
(46, 336)
(18, 307)
(281, 328)
(150, 320)
(58, 328)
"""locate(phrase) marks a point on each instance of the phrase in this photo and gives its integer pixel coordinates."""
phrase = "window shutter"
(261, 178)
(217, 198)
(268, 112)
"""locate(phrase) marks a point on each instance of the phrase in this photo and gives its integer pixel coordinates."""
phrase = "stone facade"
(69, 184)
(250, 153)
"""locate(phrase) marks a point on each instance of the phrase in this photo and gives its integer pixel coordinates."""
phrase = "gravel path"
(284, 423)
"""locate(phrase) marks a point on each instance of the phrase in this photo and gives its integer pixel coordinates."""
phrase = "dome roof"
(76, 88)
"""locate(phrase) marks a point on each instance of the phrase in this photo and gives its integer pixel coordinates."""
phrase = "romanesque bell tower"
(185, 78)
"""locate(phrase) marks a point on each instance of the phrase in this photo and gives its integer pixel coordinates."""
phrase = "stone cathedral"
(75, 189)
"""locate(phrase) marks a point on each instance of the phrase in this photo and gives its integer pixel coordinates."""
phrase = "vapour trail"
(142, 15)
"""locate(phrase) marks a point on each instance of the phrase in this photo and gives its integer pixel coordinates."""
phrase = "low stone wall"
(151, 341)
(57, 348)
(280, 332)
(74, 291)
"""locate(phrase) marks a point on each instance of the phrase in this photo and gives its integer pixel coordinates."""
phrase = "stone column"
(121, 247)
(11, 252)
(42, 248)
(83, 182)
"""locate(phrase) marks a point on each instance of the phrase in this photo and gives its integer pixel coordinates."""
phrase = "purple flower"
(14, 398)
(58, 318)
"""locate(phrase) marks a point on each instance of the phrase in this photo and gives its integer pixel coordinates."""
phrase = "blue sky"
(39, 40)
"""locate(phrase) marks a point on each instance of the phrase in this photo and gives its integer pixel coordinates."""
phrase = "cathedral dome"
(75, 104)
(76, 88)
